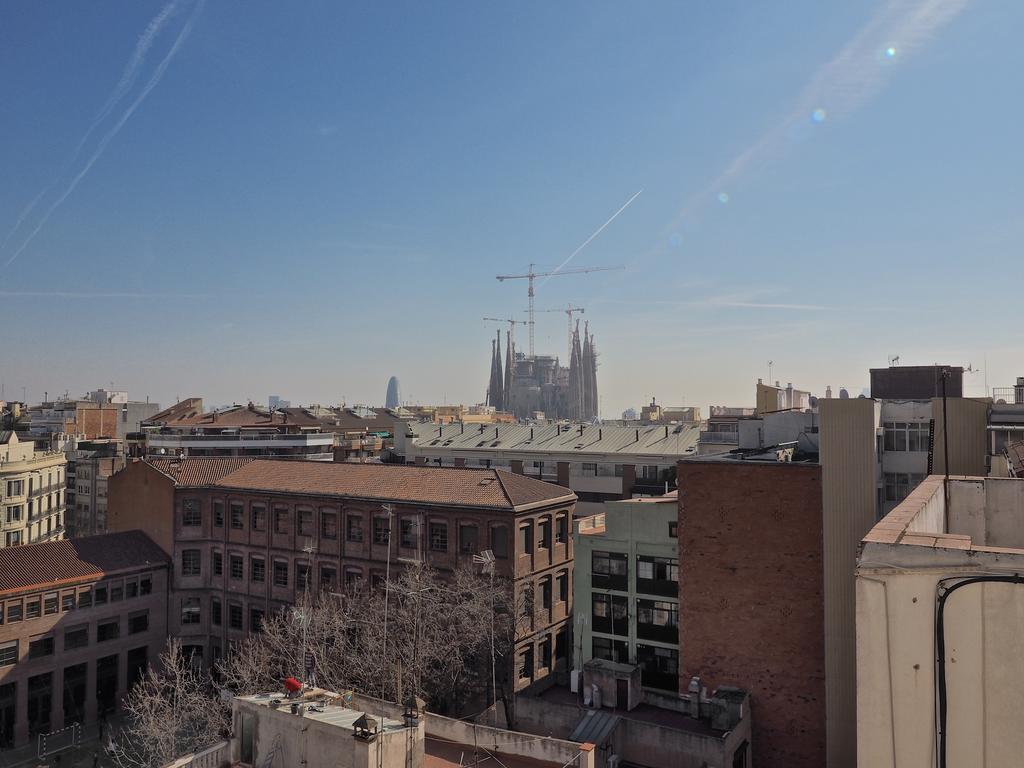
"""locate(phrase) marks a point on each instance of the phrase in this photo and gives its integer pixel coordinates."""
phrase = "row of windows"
(545, 662)
(74, 638)
(655, 619)
(654, 575)
(191, 565)
(659, 667)
(86, 597)
(438, 537)
(19, 487)
(906, 435)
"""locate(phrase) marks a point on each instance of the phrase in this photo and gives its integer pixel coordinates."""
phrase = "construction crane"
(531, 276)
(570, 310)
(511, 325)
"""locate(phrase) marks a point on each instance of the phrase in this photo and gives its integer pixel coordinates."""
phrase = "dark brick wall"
(751, 598)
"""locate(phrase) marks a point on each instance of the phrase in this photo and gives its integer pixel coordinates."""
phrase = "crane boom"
(569, 311)
(531, 275)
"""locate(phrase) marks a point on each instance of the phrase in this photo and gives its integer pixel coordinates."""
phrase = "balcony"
(720, 438)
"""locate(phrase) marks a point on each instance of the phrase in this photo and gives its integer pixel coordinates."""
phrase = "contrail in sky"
(841, 86)
(154, 80)
(587, 241)
(102, 295)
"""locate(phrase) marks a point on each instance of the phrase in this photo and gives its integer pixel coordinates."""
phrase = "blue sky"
(304, 199)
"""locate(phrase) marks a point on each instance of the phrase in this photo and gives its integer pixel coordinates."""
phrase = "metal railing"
(720, 437)
(211, 757)
(314, 438)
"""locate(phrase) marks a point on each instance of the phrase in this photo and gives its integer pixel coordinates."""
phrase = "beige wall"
(968, 436)
(20, 462)
(849, 467)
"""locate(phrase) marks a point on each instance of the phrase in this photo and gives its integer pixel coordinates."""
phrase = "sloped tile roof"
(54, 563)
(200, 470)
(489, 488)
(242, 416)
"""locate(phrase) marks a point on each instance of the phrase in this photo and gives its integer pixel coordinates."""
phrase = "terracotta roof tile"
(247, 416)
(52, 563)
(491, 488)
(199, 471)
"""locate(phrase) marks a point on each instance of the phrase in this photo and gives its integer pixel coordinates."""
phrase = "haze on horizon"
(305, 199)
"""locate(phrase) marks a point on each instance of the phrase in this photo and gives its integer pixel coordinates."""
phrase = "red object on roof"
(292, 685)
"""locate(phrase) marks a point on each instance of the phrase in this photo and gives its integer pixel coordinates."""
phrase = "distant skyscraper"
(275, 401)
(394, 396)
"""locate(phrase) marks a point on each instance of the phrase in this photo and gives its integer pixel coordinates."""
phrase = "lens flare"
(890, 53)
(819, 115)
(723, 197)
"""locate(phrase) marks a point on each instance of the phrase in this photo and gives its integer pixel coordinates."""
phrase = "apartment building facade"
(627, 589)
(80, 620)
(90, 465)
(248, 537)
(32, 489)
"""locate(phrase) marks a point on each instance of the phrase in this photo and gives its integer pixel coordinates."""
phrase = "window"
(673, 529)
(588, 470)
(545, 594)
(190, 610)
(8, 650)
(609, 570)
(280, 519)
(67, 601)
(15, 487)
(302, 576)
(14, 514)
(218, 513)
(138, 623)
(218, 563)
(237, 512)
(407, 533)
(439, 537)
(32, 607)
(659, 667)
(562, 528)
(215, 617)
(610, 650)
(352, 577)
(354, 530)
(76, 637)
(609, 614)
(545, 653)
(562, 580)
(906, 436)
(255, 619)
(381, 530)
(525, 663)
(117, 592)
(280, 573)
(13, 612)
(131, 589)
(235, 616)
(190, 515)
(40, 647)
(657, 620)
(237, 568)
(259, 517)
(110, 630)
(328, 577)
(469, 538)
(526, 539)
(12, 538)
(657, 575)
(499, 541)
(305, 522)
(258, 570)
(50, 605)
(145, 585)
(85, 599)
(189, 563)
(329, 524)
(100, 595)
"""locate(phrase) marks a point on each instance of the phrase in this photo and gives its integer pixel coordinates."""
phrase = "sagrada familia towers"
(526, 386)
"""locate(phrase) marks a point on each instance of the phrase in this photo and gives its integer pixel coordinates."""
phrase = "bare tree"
(170, 712)
(437, 644)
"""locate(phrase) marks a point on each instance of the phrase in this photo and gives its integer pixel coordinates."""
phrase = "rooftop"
(54, 563)
(323, 707)
(678, 440)
(488, 488)
(242, 417)
(985, 515)
(198, 471)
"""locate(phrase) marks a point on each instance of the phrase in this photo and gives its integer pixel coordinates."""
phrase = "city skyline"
(195, 193)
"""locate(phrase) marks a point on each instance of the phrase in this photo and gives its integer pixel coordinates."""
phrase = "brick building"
(247, 536)
(80, 620)
(751, 596)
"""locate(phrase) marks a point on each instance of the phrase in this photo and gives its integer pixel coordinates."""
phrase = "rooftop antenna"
(894, 360)
(485, 560)
(530, 276)
(770, 364)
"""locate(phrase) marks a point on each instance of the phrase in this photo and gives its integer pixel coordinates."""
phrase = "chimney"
(531, 433)
(694, 691)
(495, 433)
(666, 430)
(637, 440)
(600, 434)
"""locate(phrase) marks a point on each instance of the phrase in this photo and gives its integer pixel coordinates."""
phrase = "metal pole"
(387, 587)
(494, 684)
(945, 447)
